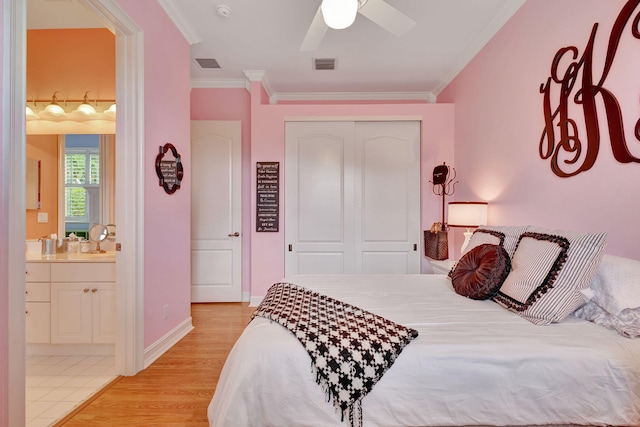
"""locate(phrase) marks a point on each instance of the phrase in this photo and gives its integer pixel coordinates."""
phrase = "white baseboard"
(158, 348)
(246, 296)
(255, 301)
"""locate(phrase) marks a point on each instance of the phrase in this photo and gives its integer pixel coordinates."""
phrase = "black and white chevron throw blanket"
(350, 348)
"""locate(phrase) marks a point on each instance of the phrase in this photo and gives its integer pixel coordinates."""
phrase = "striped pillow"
(505, 236)
(548, 270)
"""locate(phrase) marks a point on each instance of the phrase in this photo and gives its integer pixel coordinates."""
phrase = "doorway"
(216, 211)
(129, 184)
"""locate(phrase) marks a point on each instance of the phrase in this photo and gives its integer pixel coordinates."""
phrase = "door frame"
(129, 182)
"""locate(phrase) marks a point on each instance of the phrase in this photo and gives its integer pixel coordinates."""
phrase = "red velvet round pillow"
(481, 271)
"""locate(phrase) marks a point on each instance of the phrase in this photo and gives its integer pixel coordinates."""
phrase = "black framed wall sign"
(169, 170)
(267, 196)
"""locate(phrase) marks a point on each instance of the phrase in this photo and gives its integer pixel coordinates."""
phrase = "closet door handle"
(236, 234)
(415, 247)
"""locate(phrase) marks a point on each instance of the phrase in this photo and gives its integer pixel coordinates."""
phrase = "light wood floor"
(177, 388)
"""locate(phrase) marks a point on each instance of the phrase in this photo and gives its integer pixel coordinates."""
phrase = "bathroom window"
(82, 182)
(82, 174)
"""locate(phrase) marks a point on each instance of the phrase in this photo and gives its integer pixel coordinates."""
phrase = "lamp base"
(467, 238)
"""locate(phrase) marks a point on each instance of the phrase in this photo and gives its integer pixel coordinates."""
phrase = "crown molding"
(211, 83)
(491, 29)
(275, 97)
(427, 97)
(180, 21)
(259, 76)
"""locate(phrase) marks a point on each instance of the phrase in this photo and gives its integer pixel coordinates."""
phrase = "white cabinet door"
(83, 313)
(216, 211)
(71, 313)
(104, 310)
(38, 323)
(352, 197)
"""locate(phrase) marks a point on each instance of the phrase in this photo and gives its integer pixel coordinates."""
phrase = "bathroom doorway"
(129, 181)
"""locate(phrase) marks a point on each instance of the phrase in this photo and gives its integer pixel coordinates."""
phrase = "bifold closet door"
(352, 201)
(319, 208)
(387, 197)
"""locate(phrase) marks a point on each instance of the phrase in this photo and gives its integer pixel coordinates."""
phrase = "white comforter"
(474, 363)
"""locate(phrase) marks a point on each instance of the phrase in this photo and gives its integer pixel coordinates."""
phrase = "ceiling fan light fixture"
(339, 14)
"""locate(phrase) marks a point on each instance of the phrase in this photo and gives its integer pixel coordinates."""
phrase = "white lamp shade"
(30, 114)
(339, 14)
(86, 109)
(111, 111)
(467, 214)
(54, 109)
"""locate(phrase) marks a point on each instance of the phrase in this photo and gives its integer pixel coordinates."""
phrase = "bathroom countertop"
(72, 257)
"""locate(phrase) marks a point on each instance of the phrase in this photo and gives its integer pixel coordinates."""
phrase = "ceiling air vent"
(207, 63)
(324, 64)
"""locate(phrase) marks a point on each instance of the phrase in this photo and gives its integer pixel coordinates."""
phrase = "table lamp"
(469, 215)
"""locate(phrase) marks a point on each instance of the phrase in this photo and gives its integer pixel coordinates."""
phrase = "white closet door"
(319, 198)
(387, 197)
(352, 197)
(216, 211)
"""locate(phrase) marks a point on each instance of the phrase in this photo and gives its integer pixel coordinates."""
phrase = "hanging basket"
(436, 245)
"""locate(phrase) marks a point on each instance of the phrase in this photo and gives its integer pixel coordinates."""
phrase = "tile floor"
(58, 384)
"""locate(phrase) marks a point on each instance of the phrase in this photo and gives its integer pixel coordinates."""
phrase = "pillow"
(626, 323)
(549, 270)
(481, 271)
(616, 285)
(506, 236)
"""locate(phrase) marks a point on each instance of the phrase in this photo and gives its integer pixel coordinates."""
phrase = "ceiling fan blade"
(387, 16)
(315, 33)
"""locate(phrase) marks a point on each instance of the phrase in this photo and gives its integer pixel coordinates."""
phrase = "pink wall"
(267, 144)
(499, 121)
(232, 104)
(167, 240)
(263, 124)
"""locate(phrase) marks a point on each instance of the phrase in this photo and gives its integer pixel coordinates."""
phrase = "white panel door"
(319, 198)
(352, 197)
(216, 211)
(387, 197)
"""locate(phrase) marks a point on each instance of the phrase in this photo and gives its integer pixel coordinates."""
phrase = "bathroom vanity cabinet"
(38, 303)
(70, 302)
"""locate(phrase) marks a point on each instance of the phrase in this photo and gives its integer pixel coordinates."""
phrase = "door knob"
(236, 234)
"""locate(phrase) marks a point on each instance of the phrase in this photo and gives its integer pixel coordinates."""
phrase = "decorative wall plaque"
(267, 196)
(577, 81)
(169, 170)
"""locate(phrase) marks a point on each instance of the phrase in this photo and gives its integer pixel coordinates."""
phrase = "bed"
(474, 362)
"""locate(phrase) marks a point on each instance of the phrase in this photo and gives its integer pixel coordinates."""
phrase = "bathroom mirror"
(33, 184)
(98, 233)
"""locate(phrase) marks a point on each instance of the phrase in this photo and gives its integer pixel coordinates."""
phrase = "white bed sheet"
(474, 363)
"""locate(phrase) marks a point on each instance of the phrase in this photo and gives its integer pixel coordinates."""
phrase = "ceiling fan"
(378, 11)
